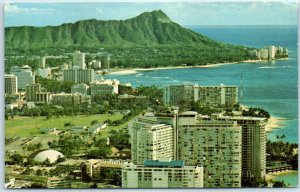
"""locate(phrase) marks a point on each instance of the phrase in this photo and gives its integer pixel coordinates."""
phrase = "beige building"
(79, 60)
(264, 54)
(55, 182)
(214, 145)
(216, 96)
(11, 84)
(69, 99)
(78, 75)
(105, 87)
(161, 174)
(253, 146)
(80, 88)
(150, 140)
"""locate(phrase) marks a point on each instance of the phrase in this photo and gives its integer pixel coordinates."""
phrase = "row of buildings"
(271, 52)
(215, 96)
(229, 149)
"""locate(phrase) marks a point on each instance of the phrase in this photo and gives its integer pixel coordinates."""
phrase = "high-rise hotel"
(215, 96)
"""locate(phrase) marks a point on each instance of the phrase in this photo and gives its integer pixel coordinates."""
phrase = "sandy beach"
(273, 123)
(209, 65)
(271, 176)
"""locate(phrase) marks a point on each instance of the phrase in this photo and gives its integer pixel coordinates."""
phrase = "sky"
(183, 13)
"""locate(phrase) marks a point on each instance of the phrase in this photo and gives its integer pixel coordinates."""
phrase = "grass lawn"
(28, 126)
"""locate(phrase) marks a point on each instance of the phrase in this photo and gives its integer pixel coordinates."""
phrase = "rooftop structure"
(51, 155)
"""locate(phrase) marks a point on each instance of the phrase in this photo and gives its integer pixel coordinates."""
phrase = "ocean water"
(269, 85)
(290, 179)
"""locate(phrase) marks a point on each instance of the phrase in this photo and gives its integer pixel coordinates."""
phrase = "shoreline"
(271, 176)
(208, 65)
(274, 123)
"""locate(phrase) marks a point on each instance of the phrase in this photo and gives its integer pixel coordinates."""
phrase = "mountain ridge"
(148, 28)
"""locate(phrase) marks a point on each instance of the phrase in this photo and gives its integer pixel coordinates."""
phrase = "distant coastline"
(209, 65)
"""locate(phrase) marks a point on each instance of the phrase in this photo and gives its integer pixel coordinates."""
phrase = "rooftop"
(156, 163)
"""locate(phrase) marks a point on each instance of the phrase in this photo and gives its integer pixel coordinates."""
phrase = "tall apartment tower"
(213, 145)
(11, 84)
(271, 51)
(161, 174)
(78, 75)
(79, 60)
(150, 140)
(253, 146)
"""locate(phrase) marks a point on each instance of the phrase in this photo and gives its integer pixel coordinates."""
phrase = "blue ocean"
(272, 85)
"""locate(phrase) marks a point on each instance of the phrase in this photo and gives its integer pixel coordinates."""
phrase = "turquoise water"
(290, 179)
(269, 85)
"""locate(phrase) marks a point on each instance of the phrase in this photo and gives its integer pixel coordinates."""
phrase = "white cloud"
(13, 8)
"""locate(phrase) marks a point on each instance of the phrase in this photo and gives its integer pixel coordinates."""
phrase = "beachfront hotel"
(253, 145)
(215, 96)
(161, 174)
(150, 140)
(215, 145)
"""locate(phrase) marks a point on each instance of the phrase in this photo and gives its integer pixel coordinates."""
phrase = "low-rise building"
(80, 88)
(69, 99)
(105, 87)
(55, 182)
(44, 72)
(161, 174)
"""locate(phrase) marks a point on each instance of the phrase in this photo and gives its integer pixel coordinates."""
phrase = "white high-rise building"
(150, 140)
(105, 87)
(271, 51)
(253, 146)
(214, 145)
(11, 84)
(217, 96)
(79, 60)
(161, 174)
(24, 75)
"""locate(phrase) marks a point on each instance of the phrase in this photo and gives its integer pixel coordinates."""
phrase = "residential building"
(78, 75)
(79, 60)
(44, 72)
(161, 174)
(95, 64)
(42, 62)
(55, 182)
(34, 93)
(150, 140)
(69, 99)
(80, 88)
(216, 96)
(106, 62)
(11, 84)
(214, 145)
(126, 99)
(264, 54)
(105, 87)
(271, 49)
(253, 146)
(24, 75)
(31, 90)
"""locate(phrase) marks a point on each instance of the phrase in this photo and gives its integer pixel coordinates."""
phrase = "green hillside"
(149, 33)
